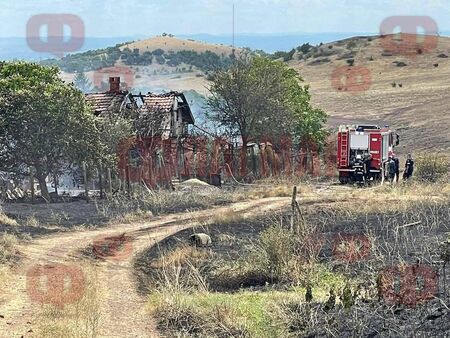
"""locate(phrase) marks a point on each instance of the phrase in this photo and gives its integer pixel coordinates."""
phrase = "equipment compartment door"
(375, 149)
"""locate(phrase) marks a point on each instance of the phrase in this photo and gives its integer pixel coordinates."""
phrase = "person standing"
(367, 165)
(391, 169)
(397, 167)
(409, 168)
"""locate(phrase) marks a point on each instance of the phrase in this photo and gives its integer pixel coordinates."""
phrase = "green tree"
(82, 82)
(259, 97)
(305, 48)
(45, 124)
(309, 127)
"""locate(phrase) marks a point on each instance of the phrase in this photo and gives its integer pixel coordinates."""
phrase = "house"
(113, 101)
(167, 115)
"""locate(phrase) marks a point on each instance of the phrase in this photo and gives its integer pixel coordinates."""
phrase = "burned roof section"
(113, 100)
(168, 102)
(104, 102)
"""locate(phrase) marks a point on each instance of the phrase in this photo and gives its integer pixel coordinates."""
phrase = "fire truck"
(363, 151)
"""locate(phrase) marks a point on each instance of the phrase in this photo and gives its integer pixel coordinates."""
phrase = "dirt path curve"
(122, 309)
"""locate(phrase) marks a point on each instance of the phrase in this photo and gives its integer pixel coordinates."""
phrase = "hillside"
(173, 44)
(155, 64)
(410, 94)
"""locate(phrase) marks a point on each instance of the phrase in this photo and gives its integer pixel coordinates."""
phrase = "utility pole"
(233, 33)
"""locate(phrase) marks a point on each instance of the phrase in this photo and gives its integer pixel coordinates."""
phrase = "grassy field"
(254, 280)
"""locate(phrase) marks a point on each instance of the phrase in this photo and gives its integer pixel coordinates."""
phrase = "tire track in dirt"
(123, 310)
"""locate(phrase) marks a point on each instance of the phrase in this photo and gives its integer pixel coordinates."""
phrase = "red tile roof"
(159, 102)
(164, 103)
(102, 102)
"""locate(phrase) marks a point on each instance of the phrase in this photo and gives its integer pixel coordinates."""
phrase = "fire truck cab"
(363, 151)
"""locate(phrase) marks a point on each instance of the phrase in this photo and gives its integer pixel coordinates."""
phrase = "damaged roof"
(165, 103)
(103, 102)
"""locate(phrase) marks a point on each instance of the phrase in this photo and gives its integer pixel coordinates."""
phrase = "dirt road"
(121, 310)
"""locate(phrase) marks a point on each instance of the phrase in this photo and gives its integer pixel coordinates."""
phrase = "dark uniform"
(367, 163)
(397, 168)
(391, 168)
(409, 168)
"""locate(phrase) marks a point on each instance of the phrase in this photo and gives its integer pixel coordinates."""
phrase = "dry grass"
(432, 167)
(8, 252)
(420, 117)
(278, 187)
(175, 45)
(7, 220)
(228, 216)
(181, 255)
(78, 320)
(279, 265)
(32, 221)
(144, 204)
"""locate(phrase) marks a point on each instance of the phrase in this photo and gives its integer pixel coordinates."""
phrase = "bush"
(275, 250)
(351, 45)
(305, 48)
(431, 167)
(7, 248)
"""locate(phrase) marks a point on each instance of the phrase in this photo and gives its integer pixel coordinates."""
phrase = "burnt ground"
(44, 219)
(411, 237)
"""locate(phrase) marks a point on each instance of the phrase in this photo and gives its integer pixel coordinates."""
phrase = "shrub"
(351, 45)
(305, 48)
(275, 250)
(431, 167)
(7, 248)
(7, 220)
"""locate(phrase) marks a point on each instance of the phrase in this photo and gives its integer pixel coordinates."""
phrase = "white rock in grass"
(200, 240)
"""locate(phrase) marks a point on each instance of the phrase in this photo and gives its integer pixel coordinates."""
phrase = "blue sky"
(110, 18)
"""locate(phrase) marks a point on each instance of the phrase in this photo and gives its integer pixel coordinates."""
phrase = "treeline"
(288, 56)
(87, 61)
(107, 57)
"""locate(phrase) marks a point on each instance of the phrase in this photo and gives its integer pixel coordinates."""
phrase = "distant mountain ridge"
(17, 47)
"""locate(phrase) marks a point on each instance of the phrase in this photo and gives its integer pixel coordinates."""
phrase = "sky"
(111, 18)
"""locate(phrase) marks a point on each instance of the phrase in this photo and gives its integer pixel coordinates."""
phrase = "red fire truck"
(363, 151)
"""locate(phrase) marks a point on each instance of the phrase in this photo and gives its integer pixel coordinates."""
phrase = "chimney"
(114, 85)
